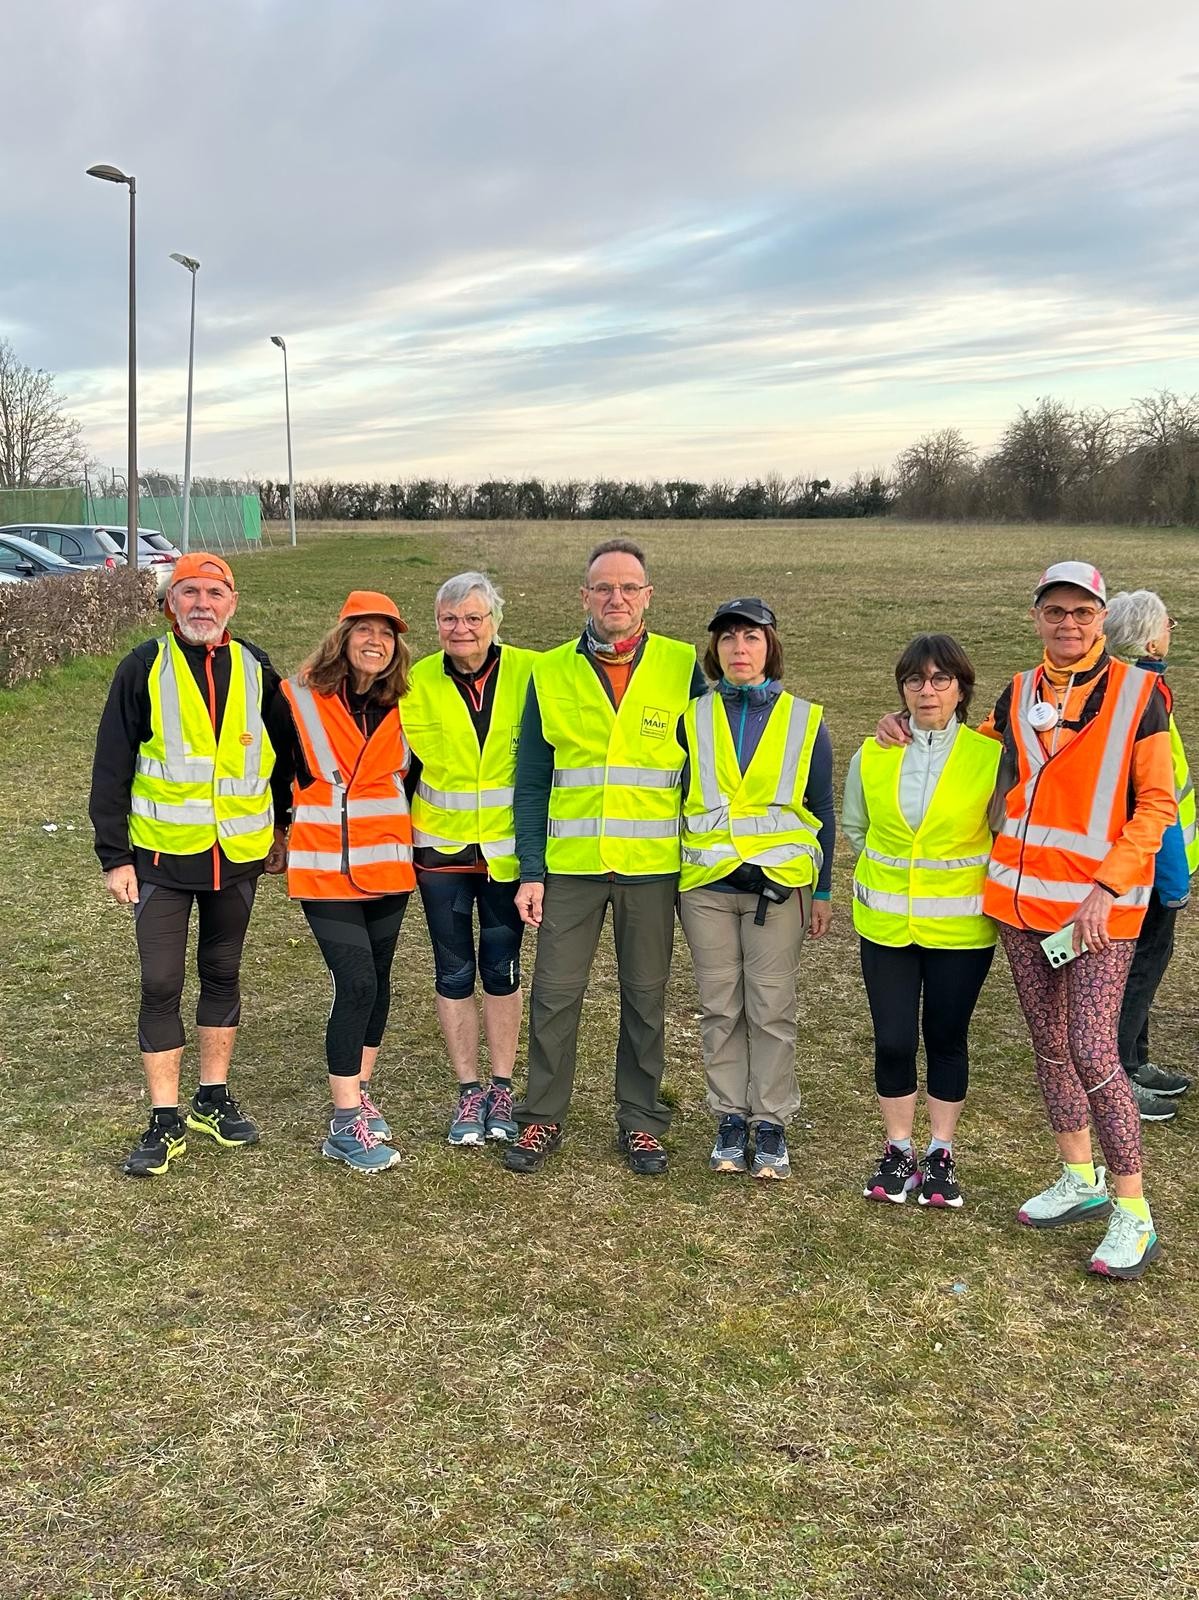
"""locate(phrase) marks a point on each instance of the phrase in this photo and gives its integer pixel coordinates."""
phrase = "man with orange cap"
(183, 803)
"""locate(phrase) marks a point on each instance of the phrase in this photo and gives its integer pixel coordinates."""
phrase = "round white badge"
(1043, 716)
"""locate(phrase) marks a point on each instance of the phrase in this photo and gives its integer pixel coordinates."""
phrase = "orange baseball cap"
(200, 564)
(370, 603)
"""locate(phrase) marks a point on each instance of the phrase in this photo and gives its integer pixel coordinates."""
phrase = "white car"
(154, 550)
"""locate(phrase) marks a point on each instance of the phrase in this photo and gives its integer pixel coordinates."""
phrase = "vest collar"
(481, 671)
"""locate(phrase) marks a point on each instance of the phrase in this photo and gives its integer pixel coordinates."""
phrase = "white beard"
(199, 632)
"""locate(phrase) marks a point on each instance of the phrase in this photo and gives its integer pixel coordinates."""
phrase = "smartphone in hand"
(1059, 947)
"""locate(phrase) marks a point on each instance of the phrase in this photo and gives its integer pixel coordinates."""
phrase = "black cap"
(756, 611)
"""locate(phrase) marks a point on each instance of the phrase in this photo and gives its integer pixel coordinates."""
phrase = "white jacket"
(923, 763)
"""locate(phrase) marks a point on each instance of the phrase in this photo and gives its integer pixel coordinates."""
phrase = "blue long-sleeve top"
(1171, 875)
(748, 709)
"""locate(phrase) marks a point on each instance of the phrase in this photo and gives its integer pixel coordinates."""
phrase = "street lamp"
(115, 175)
(193, 266)
(291, 481)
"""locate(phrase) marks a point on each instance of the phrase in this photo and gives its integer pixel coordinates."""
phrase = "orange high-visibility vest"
(1065, 811)
(351, 834)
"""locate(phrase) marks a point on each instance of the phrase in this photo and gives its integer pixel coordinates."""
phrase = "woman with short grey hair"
(1138, 629)
(462, 717)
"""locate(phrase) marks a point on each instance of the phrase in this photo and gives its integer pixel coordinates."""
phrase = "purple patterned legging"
(1073, 1013)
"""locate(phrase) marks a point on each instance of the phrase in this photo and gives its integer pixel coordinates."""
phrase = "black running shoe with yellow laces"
(223, 1120)
(537, 1141)
(162, 1143)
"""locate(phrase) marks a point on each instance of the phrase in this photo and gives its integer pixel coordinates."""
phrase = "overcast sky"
(630, 238)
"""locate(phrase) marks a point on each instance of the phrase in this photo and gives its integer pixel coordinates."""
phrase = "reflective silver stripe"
(918, 863)
(567, 828)
(716, 856)
(705, 739)
(179, 767)
(779, 854)
(252, 765)
(494, 848)
(229, 827)
(930, 907)
(242, 788)
(708, 821)
(797, 732)
(370, 855)
(389, 806)
(1037, 834)
(434, 841)
(1026, 736)
(459, 800)
(1071, 893)
(310, 720)
(775, 819)
(622, 828)
(314, 860)
(189, 813)
(1187, 788)
(323, 814)
(199, 770)
(1112, 768)
(631, 777)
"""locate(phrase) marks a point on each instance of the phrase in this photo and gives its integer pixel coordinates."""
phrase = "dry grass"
(260, 1377)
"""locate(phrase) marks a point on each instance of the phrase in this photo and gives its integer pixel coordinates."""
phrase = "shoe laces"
(943, 1163)
(470, 1105)
(643, 1142)
(499, 1102)
(369, 1108)
(537, 1136)
(769, 1139)
(1124, 1228)
(360, 1130)
(732, 1130)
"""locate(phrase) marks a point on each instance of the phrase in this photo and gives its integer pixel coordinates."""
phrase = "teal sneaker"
(375, 1120)
(470, 1119)
(358, 1148)
(497, 1115)
(1067, 1200)
(1129, 1246)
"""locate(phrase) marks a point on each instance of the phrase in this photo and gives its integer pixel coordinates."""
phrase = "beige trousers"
(747, 978)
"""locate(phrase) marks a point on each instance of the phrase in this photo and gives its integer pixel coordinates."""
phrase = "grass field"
(260, 1377)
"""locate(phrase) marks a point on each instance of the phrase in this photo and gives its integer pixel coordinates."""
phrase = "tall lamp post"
(193, 266)
(291, 481)
(115, 175)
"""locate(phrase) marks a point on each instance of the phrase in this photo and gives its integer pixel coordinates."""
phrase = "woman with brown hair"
(349, 859)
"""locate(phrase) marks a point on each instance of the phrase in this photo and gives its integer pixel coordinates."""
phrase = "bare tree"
(933, 476)
(39, 445)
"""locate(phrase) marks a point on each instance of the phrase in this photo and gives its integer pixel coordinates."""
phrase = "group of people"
(518, 789)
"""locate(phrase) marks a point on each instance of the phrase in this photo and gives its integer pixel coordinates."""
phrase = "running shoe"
(497, 1115)
(222, 1120)
(375, 1120)
(1067, 1200)
(155, 1150)
(645, 1155)
(728, 1153)
(1128, 1248)
(358, 1148)
(537, 1141)
(940, 1185)
(1153, 1107)
(770, 1152)
(896, 1175)
(470, 1120)
(1157, 1081)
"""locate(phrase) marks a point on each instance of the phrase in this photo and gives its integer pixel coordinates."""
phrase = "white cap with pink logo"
(1079, 574)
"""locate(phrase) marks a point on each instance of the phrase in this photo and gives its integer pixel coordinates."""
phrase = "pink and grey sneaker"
(940, 1187)
(497, 1114)
(375, 1120)
(896, 1175)
(469, 1125)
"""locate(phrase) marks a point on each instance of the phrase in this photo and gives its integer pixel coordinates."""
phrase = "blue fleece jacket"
(1171, 875)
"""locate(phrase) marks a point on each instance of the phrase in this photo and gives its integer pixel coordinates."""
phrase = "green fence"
(41, 505)
(216, 521)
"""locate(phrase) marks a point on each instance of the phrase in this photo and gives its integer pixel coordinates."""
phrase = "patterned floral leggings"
(1073, 1013)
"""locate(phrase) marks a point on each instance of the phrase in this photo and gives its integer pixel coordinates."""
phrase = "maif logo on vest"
(514, 742)
(655, 723)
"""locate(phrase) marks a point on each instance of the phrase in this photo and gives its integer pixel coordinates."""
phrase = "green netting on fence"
(41, 505)
(217, 521)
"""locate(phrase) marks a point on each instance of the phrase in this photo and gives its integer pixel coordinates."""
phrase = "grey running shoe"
(375, 1120)
(358, 1148)
(728, 1153)
(1067, 1200)
(1128, 1247)
(1159, 1082)
(1153, 1107)
(470, 1119)
(770, 1152)
(497, 1115)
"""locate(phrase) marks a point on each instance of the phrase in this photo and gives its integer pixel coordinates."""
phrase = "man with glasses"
(598, 802)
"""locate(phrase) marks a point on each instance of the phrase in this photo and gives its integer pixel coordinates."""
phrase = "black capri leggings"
(450, 899)
(951, 981)
(358, 941)
(161, 917)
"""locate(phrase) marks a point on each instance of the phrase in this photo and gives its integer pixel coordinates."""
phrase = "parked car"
(81, 544)
(154, 550)
(21, 558)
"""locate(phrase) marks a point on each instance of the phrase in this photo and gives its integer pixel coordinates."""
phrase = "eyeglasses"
(472, 621)
(630, 591)
(1171, 623)
(1083, 615)
(939, 680)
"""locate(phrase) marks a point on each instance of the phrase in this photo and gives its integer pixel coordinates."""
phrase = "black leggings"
(450, 899)
(358, 941)
(161, 917)
(952, 981)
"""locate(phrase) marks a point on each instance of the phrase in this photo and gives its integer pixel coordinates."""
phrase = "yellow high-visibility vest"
(1184, 793)
(191, 790)
(925, 887)
(464, 794)
(615, 800)
(758, 817)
